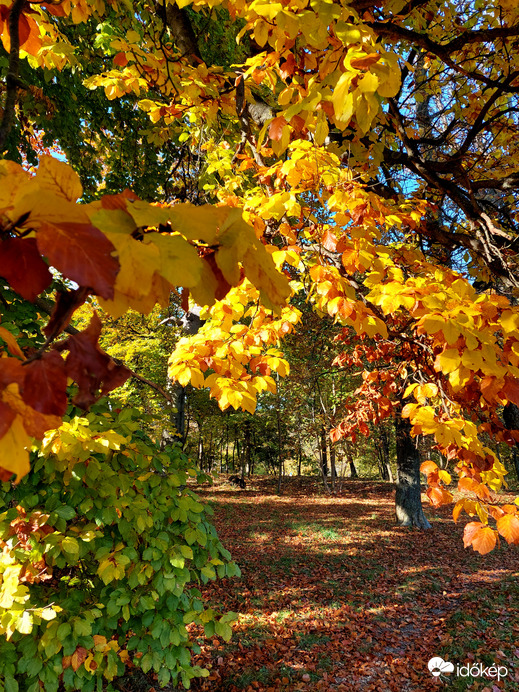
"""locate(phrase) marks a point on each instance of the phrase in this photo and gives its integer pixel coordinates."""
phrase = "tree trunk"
(247, 446)
(333, 469)
(324, 453)
(383, 455)
(408, 503)
(511, 419)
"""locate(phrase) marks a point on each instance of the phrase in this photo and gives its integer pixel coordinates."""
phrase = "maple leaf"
(89, 366)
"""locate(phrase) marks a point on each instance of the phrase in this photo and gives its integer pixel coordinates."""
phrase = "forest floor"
(333, 596)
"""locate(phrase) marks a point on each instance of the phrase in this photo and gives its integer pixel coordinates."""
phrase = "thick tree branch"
(444, 50)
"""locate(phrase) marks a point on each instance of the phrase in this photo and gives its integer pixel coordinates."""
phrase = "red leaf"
(66, 303)
(90, 367)
(22, 266)
(45, 387)
(82, 253)
(24, 30)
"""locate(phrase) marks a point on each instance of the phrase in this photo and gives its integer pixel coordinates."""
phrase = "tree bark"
(408, 502)
(382, 450)
(324, 452)
(511, 419)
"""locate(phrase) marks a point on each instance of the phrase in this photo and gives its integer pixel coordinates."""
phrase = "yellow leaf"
(179, 262)
(59, 178)
(509, 321)
(14, 445)
(444, 476)
(448, 361)
(24, 623)
(472, 360)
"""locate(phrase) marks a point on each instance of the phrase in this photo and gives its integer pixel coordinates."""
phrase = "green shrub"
(102, 546)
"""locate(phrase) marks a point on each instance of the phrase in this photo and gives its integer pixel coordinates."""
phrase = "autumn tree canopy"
(362, 155)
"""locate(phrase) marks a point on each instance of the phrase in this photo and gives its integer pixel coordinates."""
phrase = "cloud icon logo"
(438, 666)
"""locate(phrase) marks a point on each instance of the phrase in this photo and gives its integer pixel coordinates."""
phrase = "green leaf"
(10, 684)
(70, 546)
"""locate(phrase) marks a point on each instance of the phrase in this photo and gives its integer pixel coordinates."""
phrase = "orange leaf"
(457, 510)
(11, 342)
(120, 59)
(329, 241)
(365, 62)
(508, 527)
(511, 390)
(78, 657)
(276, 128)
(481, 537)
(428, 466)
(467, 483)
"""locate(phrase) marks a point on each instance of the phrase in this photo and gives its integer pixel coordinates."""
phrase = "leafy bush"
(101, 546)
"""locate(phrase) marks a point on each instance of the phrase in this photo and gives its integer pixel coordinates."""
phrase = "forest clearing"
(334, 596)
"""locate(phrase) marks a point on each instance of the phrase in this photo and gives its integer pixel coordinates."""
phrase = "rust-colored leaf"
(365, 62)
(45, 387)
(82, 253)
(7, 415)
(78, 657)
(22, 266)
(276, 128)
(90, 367)
(66, 303)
